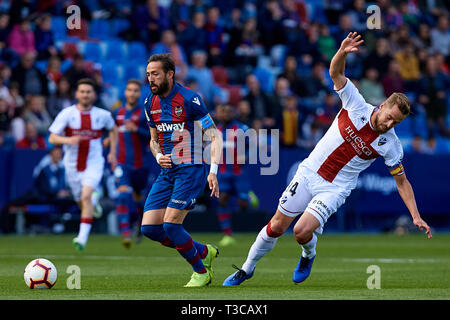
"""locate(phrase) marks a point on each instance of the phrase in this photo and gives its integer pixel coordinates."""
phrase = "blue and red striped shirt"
(132, 146)
(230, 135)
(175, 118)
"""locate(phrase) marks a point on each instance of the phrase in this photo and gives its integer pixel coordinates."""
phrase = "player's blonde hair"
(401, 101)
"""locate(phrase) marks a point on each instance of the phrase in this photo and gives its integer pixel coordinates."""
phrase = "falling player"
(132, 146)
(177, 117)
(232, 177)
(79, 128)
(358, 135)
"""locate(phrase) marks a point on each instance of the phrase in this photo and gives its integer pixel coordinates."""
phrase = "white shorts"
(308, 191)
(91, 177)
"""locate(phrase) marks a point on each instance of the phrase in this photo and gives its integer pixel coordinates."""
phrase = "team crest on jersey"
(363, 119)
(178, 111)
(283, 200)
(382, 141)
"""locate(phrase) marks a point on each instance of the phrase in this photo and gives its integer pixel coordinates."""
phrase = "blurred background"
(268, 59)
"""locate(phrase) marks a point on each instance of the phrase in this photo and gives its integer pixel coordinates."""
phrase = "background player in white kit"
(79, 128)
(359, 134)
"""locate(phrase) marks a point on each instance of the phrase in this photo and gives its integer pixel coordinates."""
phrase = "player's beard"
(377, 126)
(161, 89)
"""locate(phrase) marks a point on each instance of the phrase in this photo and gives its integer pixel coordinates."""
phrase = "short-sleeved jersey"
(351, 145)
(176, 118)
(230, 134)
(89, 125)
(132, 147)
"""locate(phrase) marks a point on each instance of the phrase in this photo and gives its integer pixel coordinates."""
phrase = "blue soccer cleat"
(238, 277)
(303, 269)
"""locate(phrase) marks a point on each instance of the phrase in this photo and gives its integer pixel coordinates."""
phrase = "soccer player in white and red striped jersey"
(358, 135)
(79, 128)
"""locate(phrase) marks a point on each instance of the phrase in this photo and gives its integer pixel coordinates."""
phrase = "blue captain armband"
(206, 122)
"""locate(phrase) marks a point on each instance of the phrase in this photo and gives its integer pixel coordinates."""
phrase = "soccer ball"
(40, 274)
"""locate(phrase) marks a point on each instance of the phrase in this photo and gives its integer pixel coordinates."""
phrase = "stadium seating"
(137, 51)
(116, 50)
(59, 28)
(220, 76)
(99, 29)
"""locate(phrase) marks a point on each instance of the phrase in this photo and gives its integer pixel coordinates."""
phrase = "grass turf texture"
(412, 267)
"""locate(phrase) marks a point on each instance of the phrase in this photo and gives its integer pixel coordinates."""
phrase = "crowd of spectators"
(268, 58)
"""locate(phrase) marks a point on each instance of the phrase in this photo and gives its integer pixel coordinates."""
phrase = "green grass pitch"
(412, 267)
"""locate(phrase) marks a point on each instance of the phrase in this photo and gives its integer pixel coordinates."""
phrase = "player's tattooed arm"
(216, 153)
(407, 194)
(163, 160)
(337, 65)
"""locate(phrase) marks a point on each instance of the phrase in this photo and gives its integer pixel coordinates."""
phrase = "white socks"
(83, 234)
(309, 248)
(260, 247)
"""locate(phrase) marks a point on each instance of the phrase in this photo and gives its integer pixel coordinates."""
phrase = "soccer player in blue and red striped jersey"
(233, 180)
(178, 119)
(131, 173)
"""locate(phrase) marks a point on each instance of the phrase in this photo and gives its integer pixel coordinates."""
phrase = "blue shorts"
(177, 188)
(234, 184)
(137, 179)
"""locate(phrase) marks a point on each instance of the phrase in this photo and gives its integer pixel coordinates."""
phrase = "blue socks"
(173, 235)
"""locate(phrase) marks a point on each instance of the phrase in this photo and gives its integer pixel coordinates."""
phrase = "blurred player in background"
(79, 128)
(132, 145)
(232, 179)
(178, 118)
(359, 134)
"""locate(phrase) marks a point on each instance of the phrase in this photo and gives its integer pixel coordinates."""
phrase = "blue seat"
(265, 78)
(99, 29)
(116, 50)
(118, 25)
(404, 128)
(137, 51)
(59, 28)
(112, 73)
(92, 51)
(135, 70)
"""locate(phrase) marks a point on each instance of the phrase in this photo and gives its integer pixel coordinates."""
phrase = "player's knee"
(154, 232)
(302, 234)
(274, 229)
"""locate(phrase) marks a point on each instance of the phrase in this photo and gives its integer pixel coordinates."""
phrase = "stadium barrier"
(373, 205)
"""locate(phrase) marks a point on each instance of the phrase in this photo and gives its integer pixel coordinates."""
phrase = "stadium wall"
(373, 205)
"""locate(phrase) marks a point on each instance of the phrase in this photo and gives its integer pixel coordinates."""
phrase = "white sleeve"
(394, 155)
(59, 124)
(351, 98)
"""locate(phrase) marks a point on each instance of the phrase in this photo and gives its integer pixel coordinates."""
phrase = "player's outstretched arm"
(337, 65)
(57, 139)
(407, 194)
(163, 160)
(216, 154)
